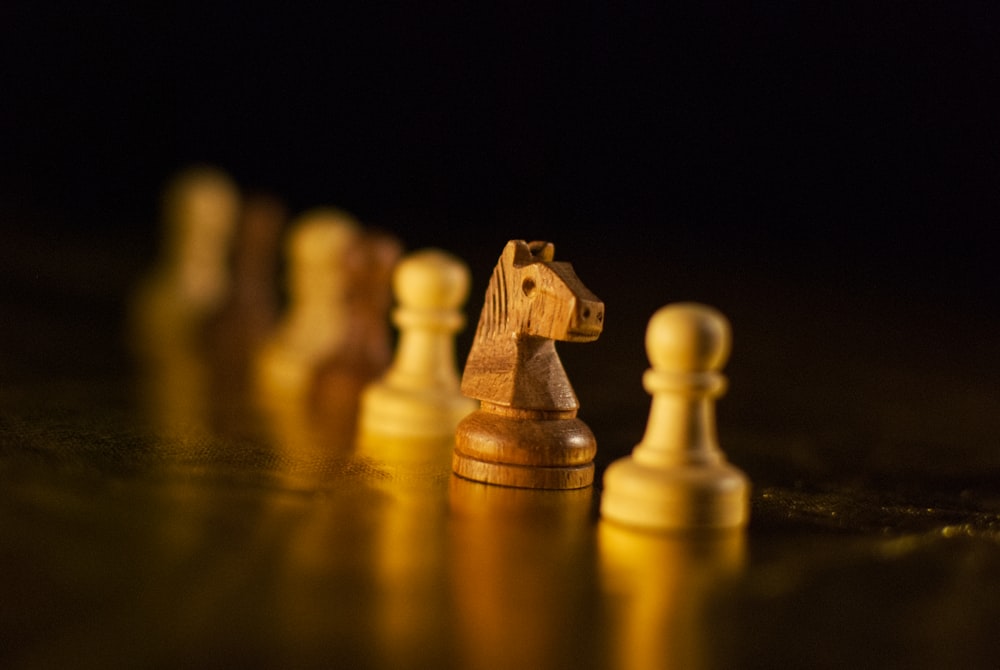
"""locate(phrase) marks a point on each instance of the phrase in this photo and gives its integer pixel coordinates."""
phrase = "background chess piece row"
(207, 318)
(206, 306)
(214, 291)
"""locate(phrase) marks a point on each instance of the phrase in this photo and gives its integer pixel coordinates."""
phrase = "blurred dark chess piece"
(526, 432)
(237, 330)
(367, 347)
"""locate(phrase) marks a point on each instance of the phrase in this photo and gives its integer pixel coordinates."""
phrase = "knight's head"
(546, 298)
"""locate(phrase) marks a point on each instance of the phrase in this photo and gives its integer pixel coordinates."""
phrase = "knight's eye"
(527, 286)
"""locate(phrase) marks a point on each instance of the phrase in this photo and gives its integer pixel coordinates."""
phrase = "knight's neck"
(522, 372)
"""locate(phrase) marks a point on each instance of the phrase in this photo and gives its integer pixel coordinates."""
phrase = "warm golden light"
(659, 585)
(520, 590)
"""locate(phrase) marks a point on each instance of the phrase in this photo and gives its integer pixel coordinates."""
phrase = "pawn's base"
(409, 453)
(386, 410)
(676, 497)
(525, 449)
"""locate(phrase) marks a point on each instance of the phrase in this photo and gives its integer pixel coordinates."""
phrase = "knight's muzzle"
(588, 320)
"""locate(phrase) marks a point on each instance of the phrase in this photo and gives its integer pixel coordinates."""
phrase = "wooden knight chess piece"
(526, 433)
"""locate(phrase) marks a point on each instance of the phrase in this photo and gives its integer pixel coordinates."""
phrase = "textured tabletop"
(132, 536)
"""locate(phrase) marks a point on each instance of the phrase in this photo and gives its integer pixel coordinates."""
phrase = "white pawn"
(200, 212)
(677, 477)
(419, 395)
(321, 248)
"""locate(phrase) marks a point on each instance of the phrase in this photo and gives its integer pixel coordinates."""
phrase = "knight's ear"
(517, 253)
(542, 251)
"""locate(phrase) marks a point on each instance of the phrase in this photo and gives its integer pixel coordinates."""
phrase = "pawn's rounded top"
(200, 201)
(431, 279)
(688, 337)
(323, 236)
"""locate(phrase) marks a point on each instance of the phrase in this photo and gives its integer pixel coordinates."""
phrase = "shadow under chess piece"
(419, 395)
(526, 433)
(677, 477)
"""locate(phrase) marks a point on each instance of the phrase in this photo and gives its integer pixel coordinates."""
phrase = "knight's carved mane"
(494, 319)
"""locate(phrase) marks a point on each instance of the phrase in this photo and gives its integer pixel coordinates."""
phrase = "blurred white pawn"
(321, 254)
(192, 279)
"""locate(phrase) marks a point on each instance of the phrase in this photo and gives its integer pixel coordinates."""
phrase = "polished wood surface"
(239, 537)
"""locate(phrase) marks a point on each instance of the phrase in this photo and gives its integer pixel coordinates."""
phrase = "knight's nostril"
(600, 317)
(586, 313)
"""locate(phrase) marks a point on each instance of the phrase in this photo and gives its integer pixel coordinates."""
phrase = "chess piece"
(173, 306)
(526, 433)
(333, 339)
(419, 396)
(372, 299)
(677, 477)
(366, 350)
(248, 314)
(317, 322)
(192, 280)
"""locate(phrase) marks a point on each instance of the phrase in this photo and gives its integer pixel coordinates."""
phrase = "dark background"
(856, 131)
(827, 173)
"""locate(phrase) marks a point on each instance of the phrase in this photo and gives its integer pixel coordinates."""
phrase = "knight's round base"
(675, 498)
(544, 443)
(534, 453)
(523, 476)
